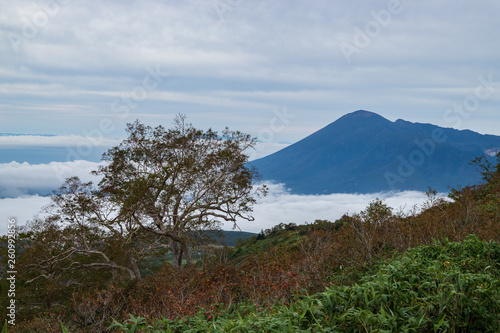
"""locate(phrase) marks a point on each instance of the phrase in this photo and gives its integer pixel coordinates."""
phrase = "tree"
(488, 171)
(86, 230)
(367, 224)
(159, 189)
(176, 183)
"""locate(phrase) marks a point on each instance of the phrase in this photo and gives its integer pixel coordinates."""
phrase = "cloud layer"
(277, 207)
(18, 181)
(282, 207)
(67, 66)
(21, 209)
(21, 179)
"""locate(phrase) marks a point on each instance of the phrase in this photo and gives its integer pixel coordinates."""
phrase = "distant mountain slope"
(363, 152)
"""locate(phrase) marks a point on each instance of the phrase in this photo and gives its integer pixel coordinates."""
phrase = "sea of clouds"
(24, 186)
(280, 206)
(24, 179)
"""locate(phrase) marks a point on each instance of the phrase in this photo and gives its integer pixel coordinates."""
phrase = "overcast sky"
(278, 69)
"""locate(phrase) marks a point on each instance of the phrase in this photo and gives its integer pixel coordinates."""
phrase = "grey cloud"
(243, 59)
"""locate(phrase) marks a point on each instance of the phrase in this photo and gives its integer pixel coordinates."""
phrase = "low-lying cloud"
(282, 207)
(21, 209)
(21, 179)
(278, 207)
(22, 186)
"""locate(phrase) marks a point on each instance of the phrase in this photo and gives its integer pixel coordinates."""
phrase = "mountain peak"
(361, 120)
(361, 114)
(363, 152)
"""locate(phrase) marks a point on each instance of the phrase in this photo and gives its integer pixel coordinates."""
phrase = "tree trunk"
(179, 250)
(185, 250)
(176, 252)
(133, 266)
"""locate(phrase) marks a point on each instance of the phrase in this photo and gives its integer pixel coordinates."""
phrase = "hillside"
(417, 291)
(363, 152)
(434, 269)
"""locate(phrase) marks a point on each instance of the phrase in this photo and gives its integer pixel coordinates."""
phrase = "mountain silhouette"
(362, 152)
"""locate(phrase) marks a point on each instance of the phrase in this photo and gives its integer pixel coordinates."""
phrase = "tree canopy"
(176, 182)
(159, 189)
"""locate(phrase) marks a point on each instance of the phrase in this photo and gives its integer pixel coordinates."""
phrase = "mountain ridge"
(363, 152)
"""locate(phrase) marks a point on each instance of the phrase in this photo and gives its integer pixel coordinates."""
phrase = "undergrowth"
(448, 287)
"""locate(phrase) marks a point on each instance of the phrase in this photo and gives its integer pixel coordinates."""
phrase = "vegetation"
(161, 191)
(435, 268)
(450, 287)
(174, 183)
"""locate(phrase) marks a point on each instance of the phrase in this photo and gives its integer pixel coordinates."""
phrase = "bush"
(440, 287)
(454, 287)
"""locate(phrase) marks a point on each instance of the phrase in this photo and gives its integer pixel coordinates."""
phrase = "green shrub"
(454, 287)
(437, 288)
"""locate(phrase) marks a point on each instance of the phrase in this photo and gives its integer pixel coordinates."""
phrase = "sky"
(73, 73)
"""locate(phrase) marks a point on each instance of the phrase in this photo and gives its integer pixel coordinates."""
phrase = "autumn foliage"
(277, 267)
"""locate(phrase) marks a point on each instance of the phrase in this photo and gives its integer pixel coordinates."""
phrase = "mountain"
(362, 152)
